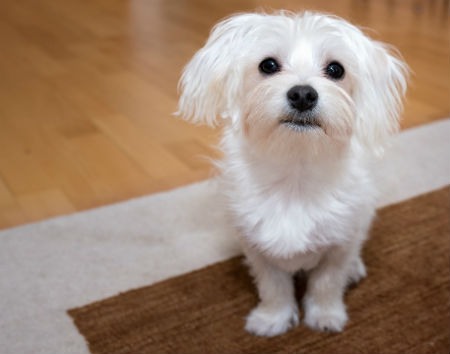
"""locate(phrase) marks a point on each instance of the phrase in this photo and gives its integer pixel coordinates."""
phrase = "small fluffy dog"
(308, 101)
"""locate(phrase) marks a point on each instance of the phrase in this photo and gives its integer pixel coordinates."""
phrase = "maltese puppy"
(308, 101)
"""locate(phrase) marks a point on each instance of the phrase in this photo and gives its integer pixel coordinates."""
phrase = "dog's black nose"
(302, 98)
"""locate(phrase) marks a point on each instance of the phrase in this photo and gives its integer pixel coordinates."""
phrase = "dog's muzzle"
(302, 101)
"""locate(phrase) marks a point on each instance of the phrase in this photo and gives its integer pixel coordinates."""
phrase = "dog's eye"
(269, 66)
(335, 70)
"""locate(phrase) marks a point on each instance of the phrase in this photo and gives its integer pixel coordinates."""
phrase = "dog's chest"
(285, 228)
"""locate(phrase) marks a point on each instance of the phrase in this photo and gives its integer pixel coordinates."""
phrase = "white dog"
(309, 101)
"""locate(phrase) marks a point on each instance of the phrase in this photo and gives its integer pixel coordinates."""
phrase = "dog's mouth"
(301, 123)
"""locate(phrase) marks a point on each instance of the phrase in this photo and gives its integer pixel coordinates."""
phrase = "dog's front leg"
(323, 302)
(277, 310)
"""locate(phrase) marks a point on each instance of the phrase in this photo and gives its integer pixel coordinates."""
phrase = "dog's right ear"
(211, 81)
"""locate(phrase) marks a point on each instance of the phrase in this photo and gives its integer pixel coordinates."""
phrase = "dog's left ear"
(379, 99)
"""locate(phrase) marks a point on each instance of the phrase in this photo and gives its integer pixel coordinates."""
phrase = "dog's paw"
(268, 322)
(357, 271)
(327, 319)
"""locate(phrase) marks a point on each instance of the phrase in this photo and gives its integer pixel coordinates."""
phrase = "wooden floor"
(87, 90)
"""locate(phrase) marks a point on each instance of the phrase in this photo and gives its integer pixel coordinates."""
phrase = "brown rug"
(402, 307)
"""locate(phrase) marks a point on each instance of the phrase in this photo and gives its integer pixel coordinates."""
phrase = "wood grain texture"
(88, 89)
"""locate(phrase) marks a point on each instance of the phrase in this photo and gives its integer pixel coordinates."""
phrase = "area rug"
(402, 307)
(67, 262)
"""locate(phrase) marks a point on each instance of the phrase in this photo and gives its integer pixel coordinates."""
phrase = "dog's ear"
(211, 81)
(379, 97)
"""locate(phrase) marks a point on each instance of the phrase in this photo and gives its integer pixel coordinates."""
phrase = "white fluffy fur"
(302, 199)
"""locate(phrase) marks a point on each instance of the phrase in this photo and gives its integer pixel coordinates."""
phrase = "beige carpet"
(59, 264)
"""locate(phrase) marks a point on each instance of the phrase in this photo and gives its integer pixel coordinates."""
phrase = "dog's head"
(286, 77)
